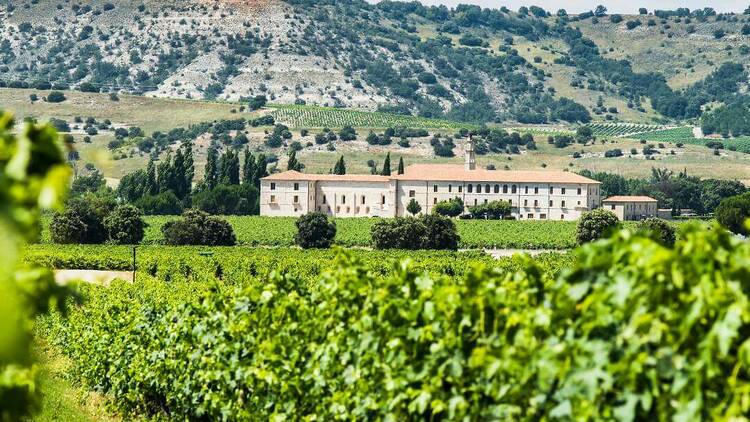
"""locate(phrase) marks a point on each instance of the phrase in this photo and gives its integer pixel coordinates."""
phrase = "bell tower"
(470, 161)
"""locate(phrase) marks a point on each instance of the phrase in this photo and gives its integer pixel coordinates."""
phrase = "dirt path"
(104, 278)
(504, 253)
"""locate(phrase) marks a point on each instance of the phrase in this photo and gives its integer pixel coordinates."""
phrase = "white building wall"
(347, 198)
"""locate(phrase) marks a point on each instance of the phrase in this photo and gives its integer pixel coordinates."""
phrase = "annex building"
(533, 195)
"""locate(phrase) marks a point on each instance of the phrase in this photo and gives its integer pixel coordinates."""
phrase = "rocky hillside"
(467, 64)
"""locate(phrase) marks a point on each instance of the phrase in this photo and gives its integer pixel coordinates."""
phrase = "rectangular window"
(542, 216)
(412, 194)
(579, 191)
(363, 200)
(536, 191)
(550, 203)
(343, 199)
(613, 207)
(460, 189)
(450, 188)
(296, 186)
(563, 191)
(551, 190)
(530, 216)
(434, 201)
(382, 199)
(434, 188)
(296, 199)
(536, 203)
(563, 204)
(526, 189)
(525, 202)
(273, 199)
(324, 199)
(273, 186)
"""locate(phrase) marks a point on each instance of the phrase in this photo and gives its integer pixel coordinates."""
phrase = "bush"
(425, 232)
(125, 225)
(81, 223)
(314, 231)
(165, 203)
(228, 200)
(450, 208)
(732, 213)
(596, 224)
(658, 230)
(495, 210)
(413, 207)
(198, 228)
(56, 97)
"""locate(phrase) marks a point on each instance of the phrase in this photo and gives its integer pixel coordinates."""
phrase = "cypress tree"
(248, 167)
(230, 168)
(179, 184)
(211, 178)
(165, 178)
(401, 165)
(293, 163)
(189, 164)
(261, 170)
(386, 165)
(340, 167)
(151, 188)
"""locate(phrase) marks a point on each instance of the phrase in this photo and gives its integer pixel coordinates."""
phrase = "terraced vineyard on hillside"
(622, 129)
(685, 135)
(297, 116)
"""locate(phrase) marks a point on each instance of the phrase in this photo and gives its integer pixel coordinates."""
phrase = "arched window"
(479, 188)
(513, 189)
(487, 188)
(497, 188)
(470, 188)
(505, 188)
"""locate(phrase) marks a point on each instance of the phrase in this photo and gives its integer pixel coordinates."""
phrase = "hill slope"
(467, 64)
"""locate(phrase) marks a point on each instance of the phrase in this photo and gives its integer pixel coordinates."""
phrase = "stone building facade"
(533, 195)
(632, 208)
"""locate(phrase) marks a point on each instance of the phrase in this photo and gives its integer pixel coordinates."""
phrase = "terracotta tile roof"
(295, 175)
(629, 199)
(451, 172)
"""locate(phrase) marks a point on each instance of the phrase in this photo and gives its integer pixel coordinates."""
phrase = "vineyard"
(298, 116)
(622, 130)
(685, 135)
(475, 234)
(240, 334)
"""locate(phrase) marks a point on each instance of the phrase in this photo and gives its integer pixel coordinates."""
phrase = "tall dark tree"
(166, 175)
(293, 163)
(189, 164)
(230, 168)
(401, 165)
(340, 167)
(248, 167)
(386, 171)
(179, 183)
(211, 178)
(261, 170)
(152, 187)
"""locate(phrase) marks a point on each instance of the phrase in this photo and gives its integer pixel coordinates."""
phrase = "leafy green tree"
(132, 186)
(165, 203)
(89, 183)
(151, 187)
(413, 207)
(228, 200)
(248, 167)
(125, 225)
(495, 210)
(230, 168)
(198, 228)
(733, 213)
(659, 230)
(56, 97)
(451, 208)
(314, 230)
(595, 225)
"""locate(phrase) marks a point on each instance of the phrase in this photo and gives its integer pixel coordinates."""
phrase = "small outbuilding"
(632, 208)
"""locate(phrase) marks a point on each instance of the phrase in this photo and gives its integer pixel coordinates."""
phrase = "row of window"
(496, 189)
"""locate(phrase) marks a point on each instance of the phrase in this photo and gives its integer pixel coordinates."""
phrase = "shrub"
(425, 232)
(732, 213)
(56, 97)
(198, 228)
(228, 200)
(125, 225)
(596, 224)
(450, 208)
(658, 230)
(495, 210)
(314, 231)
